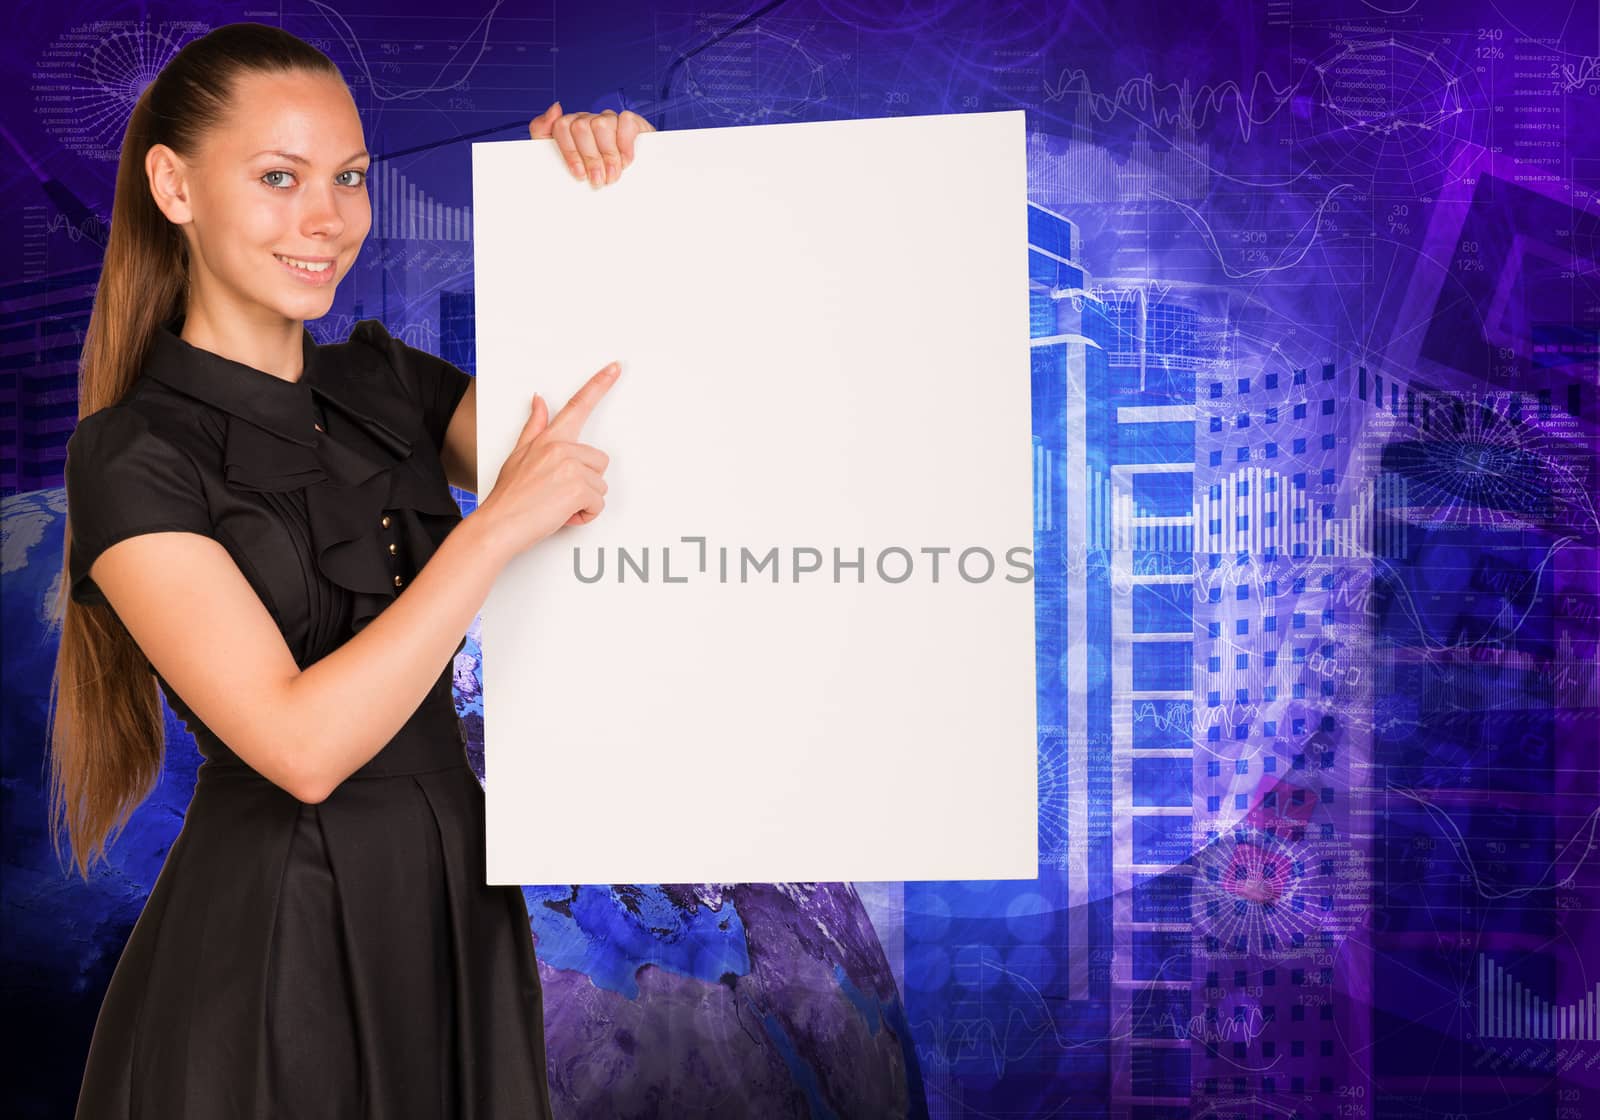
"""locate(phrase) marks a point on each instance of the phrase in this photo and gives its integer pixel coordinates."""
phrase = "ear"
(169, 183)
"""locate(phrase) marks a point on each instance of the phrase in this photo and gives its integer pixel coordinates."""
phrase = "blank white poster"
(798, 644)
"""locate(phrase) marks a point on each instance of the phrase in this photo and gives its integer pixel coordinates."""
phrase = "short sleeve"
(432, 383)
(122, 479)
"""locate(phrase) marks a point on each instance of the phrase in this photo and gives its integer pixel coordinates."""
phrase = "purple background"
(1316, 321)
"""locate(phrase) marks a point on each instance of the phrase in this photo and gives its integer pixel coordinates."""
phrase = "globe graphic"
(717, 1000)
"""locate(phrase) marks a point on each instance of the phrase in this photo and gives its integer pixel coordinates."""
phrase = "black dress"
(342, 959)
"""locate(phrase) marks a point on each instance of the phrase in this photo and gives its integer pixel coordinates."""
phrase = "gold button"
(385, 521)
(398, 581)
(393, 548)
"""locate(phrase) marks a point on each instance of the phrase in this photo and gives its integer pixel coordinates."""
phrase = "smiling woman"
(260, 530)
(285, 186)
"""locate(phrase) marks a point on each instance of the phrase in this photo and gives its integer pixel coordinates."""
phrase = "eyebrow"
(304, 161)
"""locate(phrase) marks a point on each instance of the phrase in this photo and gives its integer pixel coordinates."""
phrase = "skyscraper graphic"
(1142, 456)
(1284, 540)
(1196, 845)
(45, 323)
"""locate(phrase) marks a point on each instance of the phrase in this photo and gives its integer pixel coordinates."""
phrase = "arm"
(305, 731)
(459, 455)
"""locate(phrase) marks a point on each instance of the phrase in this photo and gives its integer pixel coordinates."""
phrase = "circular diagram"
(1387, 116)
(87, 82)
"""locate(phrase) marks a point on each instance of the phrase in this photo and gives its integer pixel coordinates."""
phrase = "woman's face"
(277, 197)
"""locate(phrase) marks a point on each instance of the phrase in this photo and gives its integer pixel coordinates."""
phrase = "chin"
(310, 305)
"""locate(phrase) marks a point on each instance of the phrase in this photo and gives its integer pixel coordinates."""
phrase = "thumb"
(538, 420)
(543, 126)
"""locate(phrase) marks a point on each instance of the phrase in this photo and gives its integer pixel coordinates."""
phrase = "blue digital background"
(1315, 359)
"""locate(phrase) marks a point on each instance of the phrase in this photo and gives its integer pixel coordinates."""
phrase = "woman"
(266, 525)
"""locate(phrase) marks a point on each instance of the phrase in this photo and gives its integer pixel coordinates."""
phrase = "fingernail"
(577, 170)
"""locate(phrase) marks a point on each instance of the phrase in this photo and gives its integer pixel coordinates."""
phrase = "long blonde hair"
(107, 739)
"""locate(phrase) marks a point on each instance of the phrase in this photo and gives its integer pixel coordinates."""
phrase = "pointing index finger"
(575, 413)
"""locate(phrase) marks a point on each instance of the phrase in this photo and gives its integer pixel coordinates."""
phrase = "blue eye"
(340, 178)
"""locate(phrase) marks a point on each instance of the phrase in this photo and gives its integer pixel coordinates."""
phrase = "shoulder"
(431, 383)
(371, 359)
(130, 456)
(124, 476)
(156, 419)
(370, 339)
(137, 429)
(416, 369)
(372, 333)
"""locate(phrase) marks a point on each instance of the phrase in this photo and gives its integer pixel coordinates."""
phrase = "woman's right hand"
(550, 480)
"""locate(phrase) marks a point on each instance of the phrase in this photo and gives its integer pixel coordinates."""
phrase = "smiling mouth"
(305, 265)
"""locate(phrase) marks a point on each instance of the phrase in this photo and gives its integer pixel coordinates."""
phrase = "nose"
(322, 216)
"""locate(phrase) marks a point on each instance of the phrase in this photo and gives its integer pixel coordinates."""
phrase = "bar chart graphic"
(400, 209)
(1507, 1008)
(1254, 509)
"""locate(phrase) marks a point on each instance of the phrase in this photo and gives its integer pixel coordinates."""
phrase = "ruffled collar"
(284, 408)
(371, 456)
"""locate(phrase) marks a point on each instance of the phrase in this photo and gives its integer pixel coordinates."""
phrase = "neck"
(265, 340)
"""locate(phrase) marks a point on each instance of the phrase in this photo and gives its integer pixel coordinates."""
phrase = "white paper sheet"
(823, 328)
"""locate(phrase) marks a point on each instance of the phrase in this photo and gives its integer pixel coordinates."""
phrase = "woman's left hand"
(596, 146)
